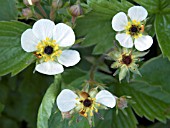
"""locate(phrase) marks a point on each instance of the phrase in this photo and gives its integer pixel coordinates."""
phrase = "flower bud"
(122, 102)
(26, 12)
(76, 10)
(30, 2)
(57, 4)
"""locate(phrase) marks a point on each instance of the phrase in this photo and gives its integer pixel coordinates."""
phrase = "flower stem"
(41, 10)
(92, 71)
(52, 14)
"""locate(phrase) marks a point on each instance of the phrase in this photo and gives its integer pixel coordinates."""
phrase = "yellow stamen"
(134, 28)
(48, 43)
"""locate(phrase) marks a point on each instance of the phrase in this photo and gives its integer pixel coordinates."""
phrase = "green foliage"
(161, 125)
(1, 107)
(45, 110)
(22, 95)
(8, 10)
(155, 6)
(120, 120)
(13, 58)
(162, 27)
(150, 100)
(159, 77)
(96, 25)
(123, 120)
(155, 84)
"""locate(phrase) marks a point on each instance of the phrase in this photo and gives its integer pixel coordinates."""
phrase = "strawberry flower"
(85, 102)
(49, 43)
(131, 28)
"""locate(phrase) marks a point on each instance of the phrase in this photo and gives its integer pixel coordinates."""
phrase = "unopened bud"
(30, 2)
(57, 4)
(76, 10)
(26, 12)
(122, 102)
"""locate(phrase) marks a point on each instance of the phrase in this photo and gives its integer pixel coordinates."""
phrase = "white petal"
(43, 28)
(66, 100)
(137, 13)
(69, 58)
(125, 40)
(106, 98)
(49, 68)
(119, 21)
(143, 43)
(29, 41)
(64, 35)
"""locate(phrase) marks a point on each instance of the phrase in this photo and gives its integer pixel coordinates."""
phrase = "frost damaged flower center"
(126, 59)
(48, 49)
(135, 29)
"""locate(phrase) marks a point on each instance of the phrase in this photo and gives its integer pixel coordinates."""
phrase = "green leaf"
(161, 125)
(1, 107)
(96, 25)
(22, 95)
(13, 58)
(151, 101)
(124, 121)
(45, 110)
(155, 6)
(120, 120)
(8, 10)
(151, 92)
(162, 28)
(160, 68)
(71, 75)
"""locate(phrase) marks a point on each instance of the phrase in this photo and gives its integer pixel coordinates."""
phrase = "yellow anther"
(55, 52)
(85, 114)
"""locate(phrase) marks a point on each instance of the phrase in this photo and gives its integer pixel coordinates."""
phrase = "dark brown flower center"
(126, 59)
(134, 29)
(87, 103)
(48, 50)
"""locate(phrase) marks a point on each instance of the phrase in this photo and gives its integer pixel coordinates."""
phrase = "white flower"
(132, 28)
(85, 103)
(47, 41)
